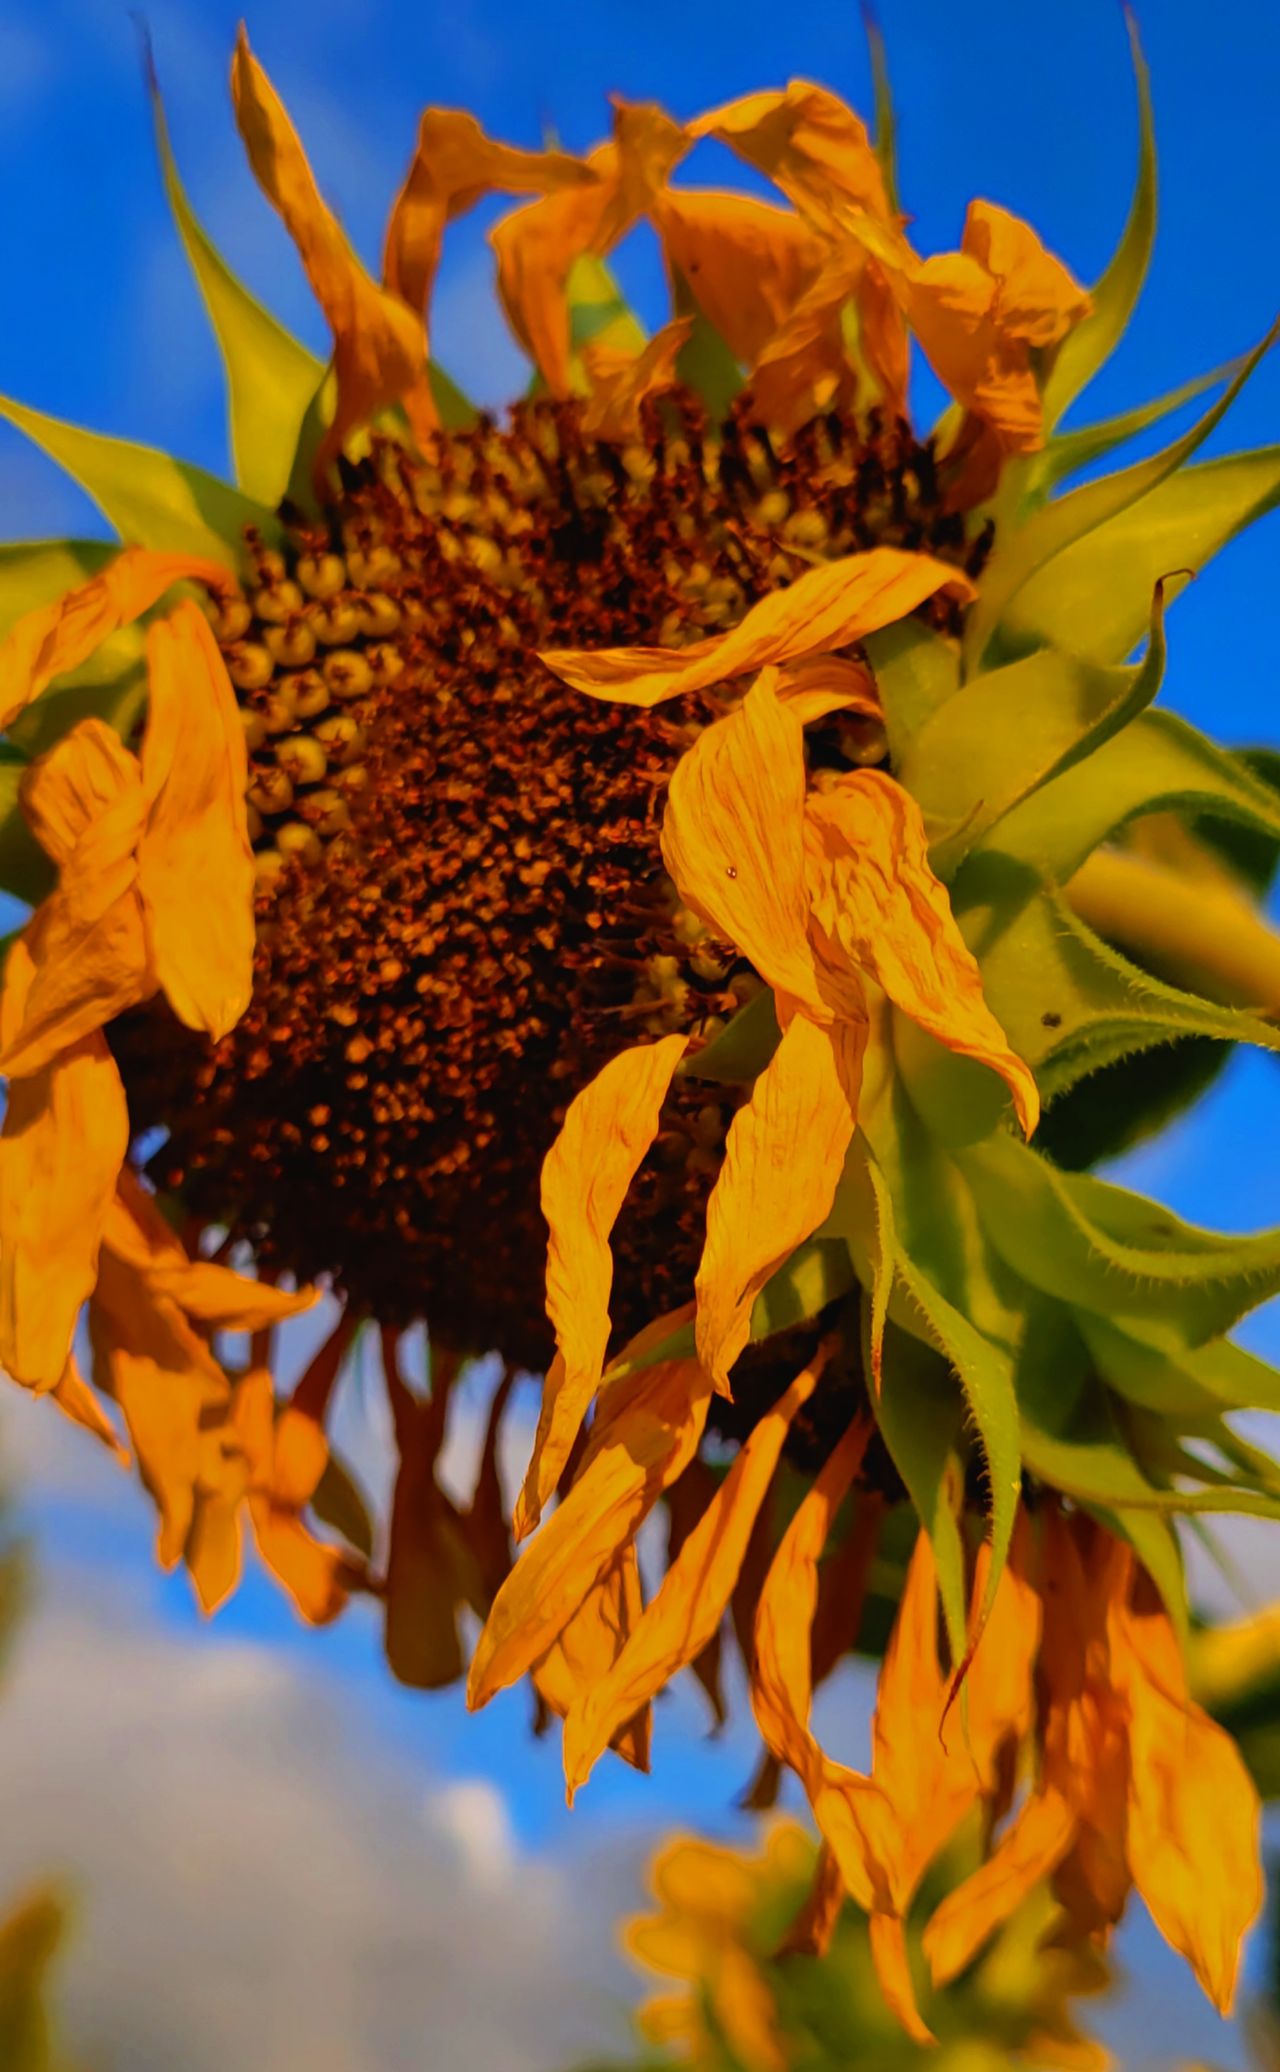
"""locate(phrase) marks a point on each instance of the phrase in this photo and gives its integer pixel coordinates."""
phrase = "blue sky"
(1031, 106)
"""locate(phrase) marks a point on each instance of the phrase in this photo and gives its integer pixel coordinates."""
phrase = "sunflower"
(620, 886)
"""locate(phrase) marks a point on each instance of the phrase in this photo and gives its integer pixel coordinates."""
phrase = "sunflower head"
(623, 885)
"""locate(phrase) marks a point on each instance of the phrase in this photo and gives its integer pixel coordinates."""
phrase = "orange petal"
(621, 382)
(733, 841)
(783, 1158)
(1037, 299)
(847, 1807)
(430, 1572)
(829, 683)
(879, 899)
(588, 1646)
(643, 1448)
(695, 1591)
(58, 637)
(811, 1932)
(66, 1129)
(1028, 1852)
(747, 263)
(212, 1296)
(1194, 1836)
(76, 1400)
(892, 1960)
(805, 366)
(379, 349)
(827, 607)
(605, 1136)
(537, 245)
(195, 863)
(810, 144)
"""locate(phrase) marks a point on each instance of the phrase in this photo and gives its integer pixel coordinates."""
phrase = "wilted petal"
(814, 1926)
(891, 1958)
(695, 1591)
(621, 382)
(879, 898)
(747, 263)
(1037, 299)
(829, 683)
(379, 349)
(195, 863)
(1194, 1833)
(285, 1457)
(645, 1445)
(804, 366)
(783, 1158)
(1036, 1843)
(810, 144)
(66, 1130)
(605, 1136)
(212, 1296)
(827, 607)
(56, 638)
(588, 1646)
(77, 1401)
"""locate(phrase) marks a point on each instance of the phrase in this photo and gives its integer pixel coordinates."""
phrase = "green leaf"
(1158, 763)
(916, 671)
(1115, 295)
(35, 572)
(1066, 1000)
(1093, 596)
(1101, 1248)
(741, 1050)
(151, 499)
(1049, 532)
(1009, 732)
(271, 377)
(1068, 452)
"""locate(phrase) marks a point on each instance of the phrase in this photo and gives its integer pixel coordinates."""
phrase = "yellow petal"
(605, 1136)
(878, 897)
(847, 1807)
(58, 637)
(747, 263)
(621, 382)
(66, 1130)
(805, 367)
(827, 607)
(537, 245)
(783, 1158)
(695, 1591)
(453, 166)
(830, 683)
(379, 349)
(76, 1400)
(1037, 299)
(86, 957)
(212, 1296)
(1194, 1836)
(893, 1969)
(195, 863)
(587, 1647)
(810, 144)
(645, 1445)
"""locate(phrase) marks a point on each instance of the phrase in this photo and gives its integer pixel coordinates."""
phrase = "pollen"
(462, 909)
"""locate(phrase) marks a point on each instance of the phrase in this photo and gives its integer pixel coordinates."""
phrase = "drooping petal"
(783, 1158)
(1036, 1843)
(280, 1482)
(621, 382)
(1194, 1833)
(889, 1953)
(805, 366)
(827, 607)
(814, 1926)
(77, 1401)
(58, 637)
(695, 1591)
(212, 1296)
(645, 1445)
(1038, 300)
(195, 864)
(587, 1648)
(379, 348)
(536, 246)
(605, 1136)
(879, 898)
(829, 683)
(810, 144)
(747, 263)
(66, 1130)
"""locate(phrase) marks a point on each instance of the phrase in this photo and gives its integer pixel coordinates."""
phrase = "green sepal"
(817, 1274)
(885, 134)
(1011, 731)
(1068, 452)
(1158, 763)
(599, 313)
(1115, 294)
(1154, 1368)
(1049, 532)
(1069, 1003)
(36, 572)
(1120, 1104)
(151, 499)
(916, 672)
(118, 699)
(1100, 1248)
(743, 1048)
(456, 410)
(1093, 595)
(271, 376)
(1153, 1536)
(704, 362)
(25, 870)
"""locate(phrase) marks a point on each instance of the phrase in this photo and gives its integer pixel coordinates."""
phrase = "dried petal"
(587, 1648)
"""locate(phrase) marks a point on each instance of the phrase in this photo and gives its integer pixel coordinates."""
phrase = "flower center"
(462, 907)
